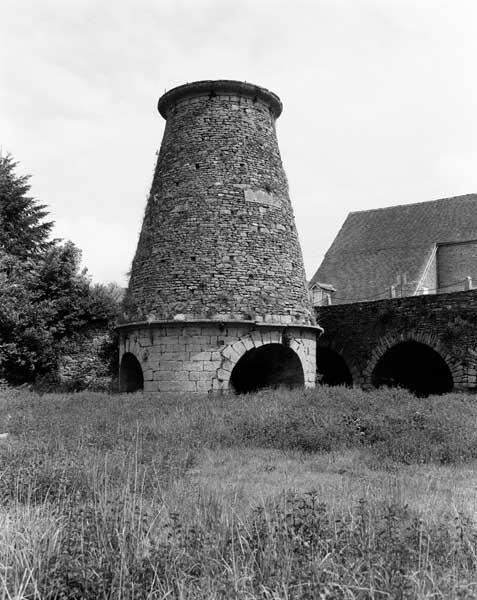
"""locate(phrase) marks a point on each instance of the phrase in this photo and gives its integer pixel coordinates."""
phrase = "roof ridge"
(368, 210)
(409, 247)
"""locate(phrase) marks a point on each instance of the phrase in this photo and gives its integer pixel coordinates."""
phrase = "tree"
(25, 342)
(23, 230)
(47, 303)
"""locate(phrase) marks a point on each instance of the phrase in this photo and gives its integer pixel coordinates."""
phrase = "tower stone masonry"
(217, 296)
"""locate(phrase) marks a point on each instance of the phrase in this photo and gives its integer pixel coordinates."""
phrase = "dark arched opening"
(331, 368)
(413, 366)
(270, 365)
(131, 378)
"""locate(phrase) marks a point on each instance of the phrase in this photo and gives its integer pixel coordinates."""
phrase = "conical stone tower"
(217, 297)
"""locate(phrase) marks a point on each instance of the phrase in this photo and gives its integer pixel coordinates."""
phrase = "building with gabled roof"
(406, 250)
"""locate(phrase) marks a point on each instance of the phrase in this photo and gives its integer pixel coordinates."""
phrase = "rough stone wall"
(219, 238)
(87, 364)
(200, 357)
(361, 333)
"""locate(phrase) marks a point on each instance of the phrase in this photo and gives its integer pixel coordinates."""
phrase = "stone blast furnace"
(217, 297)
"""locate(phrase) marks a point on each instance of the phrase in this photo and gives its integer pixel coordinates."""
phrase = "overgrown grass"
(133, 497)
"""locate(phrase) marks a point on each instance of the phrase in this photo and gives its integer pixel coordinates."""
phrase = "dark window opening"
(413, 366)
(131, 378)
(331, 368)
(269, 366)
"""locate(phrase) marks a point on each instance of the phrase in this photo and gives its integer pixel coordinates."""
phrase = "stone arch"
(232, 353)
(413, 360)
(269, 365)
(331, 367)
(131, 378)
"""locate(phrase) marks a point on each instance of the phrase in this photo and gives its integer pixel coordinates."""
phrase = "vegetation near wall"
(274, 495)
(47, 303)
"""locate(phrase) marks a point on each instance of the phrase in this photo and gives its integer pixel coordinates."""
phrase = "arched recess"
(269, 365)
(304, 348)
(331, 368)
(131, 378)
(415, 366)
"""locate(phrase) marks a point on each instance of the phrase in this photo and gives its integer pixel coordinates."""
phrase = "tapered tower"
(217, 296)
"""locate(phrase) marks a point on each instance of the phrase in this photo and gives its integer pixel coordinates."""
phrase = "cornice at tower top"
(220, 87)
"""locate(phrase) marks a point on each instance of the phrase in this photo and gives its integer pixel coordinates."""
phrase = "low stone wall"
(200, 356)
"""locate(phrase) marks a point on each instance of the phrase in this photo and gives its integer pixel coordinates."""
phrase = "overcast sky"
(380, 103)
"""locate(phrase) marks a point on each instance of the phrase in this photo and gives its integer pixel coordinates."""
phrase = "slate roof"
(374, 247)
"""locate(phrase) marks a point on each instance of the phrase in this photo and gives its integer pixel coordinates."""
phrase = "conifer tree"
(23, 230)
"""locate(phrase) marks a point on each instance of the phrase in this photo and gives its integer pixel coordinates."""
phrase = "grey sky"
(379, 98)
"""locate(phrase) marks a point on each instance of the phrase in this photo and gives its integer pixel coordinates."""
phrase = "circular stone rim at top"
(221, 86)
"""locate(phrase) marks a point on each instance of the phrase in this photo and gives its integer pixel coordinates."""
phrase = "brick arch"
(232, 353)
(428, 339)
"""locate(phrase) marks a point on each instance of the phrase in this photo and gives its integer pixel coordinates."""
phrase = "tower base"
(211, 356)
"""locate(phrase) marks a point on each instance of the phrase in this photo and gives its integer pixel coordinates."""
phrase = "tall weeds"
(87, 508)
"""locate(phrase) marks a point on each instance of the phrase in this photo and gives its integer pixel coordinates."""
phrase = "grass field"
(331, 493)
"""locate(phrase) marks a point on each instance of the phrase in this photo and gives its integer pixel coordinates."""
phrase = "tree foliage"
(23, 229)
(46, 300)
